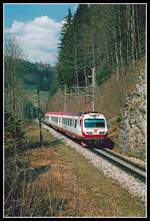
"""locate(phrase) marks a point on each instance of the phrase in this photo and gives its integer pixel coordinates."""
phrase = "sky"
(37, 26)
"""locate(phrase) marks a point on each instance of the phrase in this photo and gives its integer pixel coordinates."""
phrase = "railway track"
(117, 159)
(122, 162)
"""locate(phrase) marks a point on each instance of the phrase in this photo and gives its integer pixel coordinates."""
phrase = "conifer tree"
(65, 59)
(14, 135)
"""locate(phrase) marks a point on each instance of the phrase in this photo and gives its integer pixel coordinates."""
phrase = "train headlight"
(102, 132)
(89, 132)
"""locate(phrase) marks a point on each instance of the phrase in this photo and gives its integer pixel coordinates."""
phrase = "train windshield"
(94, 123)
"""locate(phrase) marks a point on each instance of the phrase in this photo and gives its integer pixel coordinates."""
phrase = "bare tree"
(13, 83)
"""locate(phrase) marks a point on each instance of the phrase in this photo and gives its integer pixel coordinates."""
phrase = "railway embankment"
(133, 185)
(69, 184)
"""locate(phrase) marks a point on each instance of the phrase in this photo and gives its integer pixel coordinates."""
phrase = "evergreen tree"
(65, 59)
(14, 136)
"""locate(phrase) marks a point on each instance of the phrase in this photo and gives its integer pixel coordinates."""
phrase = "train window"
(55, 119)
(75, 124)
(46, 118)
(94, 123)
(80, 122)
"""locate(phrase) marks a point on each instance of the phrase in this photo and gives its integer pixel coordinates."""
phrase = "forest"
(108, 38)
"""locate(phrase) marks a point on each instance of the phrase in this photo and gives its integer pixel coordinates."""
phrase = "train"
(87, 128)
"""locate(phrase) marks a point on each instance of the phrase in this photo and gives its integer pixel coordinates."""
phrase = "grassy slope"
(66, 184)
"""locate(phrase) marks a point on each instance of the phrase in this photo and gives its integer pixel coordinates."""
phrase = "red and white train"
(87, 127)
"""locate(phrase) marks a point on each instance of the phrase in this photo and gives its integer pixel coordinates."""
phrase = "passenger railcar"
(87, 127)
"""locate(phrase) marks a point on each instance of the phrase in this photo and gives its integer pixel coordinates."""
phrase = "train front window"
(94, 123)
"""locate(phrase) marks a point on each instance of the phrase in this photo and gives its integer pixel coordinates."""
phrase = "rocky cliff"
(133, 123)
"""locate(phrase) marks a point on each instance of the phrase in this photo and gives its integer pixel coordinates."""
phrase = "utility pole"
(93, 73)
(76, 71)
(93, 89)
(35, 104)
(39, 118)
(65, 99)
(87, 91)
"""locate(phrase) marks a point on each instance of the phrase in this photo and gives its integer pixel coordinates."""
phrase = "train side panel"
(88, 127)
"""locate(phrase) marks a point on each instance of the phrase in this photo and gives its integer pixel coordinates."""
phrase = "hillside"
(110, 100)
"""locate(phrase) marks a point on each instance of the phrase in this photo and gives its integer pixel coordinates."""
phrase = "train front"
(94, 128)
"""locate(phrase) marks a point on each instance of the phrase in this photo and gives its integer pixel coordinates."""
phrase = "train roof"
(65, 113)
(70, 113)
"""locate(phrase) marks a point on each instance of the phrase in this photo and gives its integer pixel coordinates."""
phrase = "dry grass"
(57, 181)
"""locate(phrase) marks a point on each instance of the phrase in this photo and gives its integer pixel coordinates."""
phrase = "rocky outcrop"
(133, 120)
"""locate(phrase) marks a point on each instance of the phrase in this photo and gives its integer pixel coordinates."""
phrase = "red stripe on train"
(78, 136)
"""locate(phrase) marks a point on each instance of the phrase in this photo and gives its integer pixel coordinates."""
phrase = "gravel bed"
(131, 184)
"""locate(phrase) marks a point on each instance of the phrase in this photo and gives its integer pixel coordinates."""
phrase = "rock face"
(133, 123)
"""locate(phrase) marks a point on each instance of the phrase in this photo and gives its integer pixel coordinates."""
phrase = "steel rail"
(122, 161)
(140, 166)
